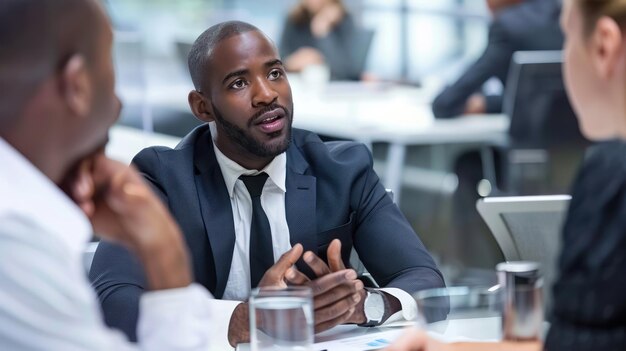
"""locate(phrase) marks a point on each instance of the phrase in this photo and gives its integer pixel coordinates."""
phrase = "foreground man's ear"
(75, 86)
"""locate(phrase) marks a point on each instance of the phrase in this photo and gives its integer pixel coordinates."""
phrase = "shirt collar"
(231, 170)
(25, 191)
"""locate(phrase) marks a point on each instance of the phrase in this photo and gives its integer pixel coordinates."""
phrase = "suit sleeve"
(389, 248)
(494, 62)
(116, 275)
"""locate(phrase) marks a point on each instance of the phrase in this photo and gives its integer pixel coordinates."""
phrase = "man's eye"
(275, 74)
(238, 84)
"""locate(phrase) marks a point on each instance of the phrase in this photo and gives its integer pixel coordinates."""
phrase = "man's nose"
(264, 93)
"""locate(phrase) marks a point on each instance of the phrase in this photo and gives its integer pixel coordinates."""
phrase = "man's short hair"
(36, 38)
(202, 48)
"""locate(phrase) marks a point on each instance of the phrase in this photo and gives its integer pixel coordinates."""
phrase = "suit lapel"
(216, 210)
(300, 204)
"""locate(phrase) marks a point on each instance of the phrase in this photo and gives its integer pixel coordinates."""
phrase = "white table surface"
(486, 329)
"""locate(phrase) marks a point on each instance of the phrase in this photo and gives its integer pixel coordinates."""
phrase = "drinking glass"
(281, 319)
(461, 313)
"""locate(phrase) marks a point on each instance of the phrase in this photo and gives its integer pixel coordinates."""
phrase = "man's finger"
(318, 266)
(325, 325)
(276, 274)
(337, 309)
(294, 277)
(331, 281)
(335, 262)
(343, 291)
(286, 260)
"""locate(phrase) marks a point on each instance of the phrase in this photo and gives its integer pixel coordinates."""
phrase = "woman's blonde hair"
(592, 10)
(301, 15)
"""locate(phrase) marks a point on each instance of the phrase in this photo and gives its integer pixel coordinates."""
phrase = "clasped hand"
(337, 293)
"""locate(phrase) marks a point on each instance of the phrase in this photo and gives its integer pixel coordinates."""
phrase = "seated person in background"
(56, 186)
(589, 311)
(517, 25)
(245, 187)
(320, 32)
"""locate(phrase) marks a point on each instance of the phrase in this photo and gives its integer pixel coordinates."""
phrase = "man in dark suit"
(245, 187)
(518, 25)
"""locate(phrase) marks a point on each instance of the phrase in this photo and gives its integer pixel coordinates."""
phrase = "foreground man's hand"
(123, 209)
(338, 294)
(239, 327)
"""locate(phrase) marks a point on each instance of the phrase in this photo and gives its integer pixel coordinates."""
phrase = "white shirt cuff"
(222, 311)
(176, 319)
(409, 306)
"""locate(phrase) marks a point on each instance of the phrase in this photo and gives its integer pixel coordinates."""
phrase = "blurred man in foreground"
(56, 186)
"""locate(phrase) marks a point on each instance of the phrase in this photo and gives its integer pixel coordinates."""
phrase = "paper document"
(373, 341)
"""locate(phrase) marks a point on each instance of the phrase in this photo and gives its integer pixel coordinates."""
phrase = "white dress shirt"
(46, 301)
(273, 203)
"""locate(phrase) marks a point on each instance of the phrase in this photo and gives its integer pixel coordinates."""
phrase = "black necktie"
(261, 249)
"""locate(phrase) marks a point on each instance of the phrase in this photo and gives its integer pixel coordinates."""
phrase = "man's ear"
(607, 47)
(75, 85)
(200, 106)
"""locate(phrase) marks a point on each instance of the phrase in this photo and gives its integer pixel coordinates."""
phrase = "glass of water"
(281, 319)
(461, 313)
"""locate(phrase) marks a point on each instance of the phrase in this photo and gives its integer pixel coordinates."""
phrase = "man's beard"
(243, 138)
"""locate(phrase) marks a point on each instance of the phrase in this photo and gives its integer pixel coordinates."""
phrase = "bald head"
(38, 37)
(203, 46)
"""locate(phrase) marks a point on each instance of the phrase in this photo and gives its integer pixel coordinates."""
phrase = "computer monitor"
(536, 101)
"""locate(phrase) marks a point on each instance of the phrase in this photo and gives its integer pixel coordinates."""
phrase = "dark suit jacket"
(332, 192)
(531, 25)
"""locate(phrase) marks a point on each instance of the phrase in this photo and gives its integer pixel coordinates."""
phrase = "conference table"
(353, 338)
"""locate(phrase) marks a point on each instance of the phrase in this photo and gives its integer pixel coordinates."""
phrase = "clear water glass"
(281, 319)
(461, 313)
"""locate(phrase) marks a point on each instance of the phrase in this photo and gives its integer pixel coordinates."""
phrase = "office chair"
(543, 125)
(361, 44)
(528, 228)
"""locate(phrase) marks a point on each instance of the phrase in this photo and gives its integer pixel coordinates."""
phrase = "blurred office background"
(416, 42)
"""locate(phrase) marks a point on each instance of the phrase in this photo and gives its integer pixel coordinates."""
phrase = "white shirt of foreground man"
(46, 301)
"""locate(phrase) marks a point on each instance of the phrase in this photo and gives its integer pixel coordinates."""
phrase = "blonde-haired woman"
(590, 294)
(320, 32)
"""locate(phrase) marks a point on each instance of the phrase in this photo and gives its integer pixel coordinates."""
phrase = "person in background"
(246, 187)
(518, 25)
(589, 311)
(320, 32)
